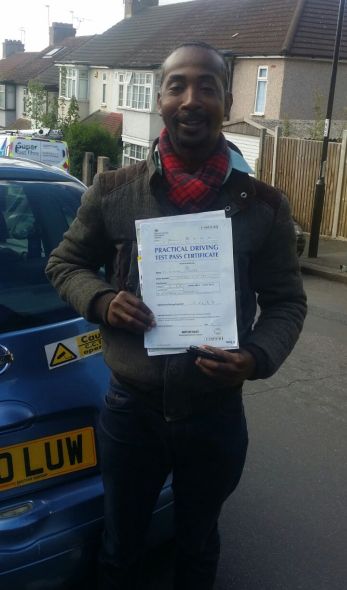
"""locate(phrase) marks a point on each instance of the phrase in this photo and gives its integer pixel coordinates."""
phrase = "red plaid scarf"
(196, 191)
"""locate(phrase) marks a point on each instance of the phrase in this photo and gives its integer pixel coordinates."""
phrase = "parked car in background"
(52, 383)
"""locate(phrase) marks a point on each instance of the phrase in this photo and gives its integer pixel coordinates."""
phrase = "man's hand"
(232, 370)
(128, 312)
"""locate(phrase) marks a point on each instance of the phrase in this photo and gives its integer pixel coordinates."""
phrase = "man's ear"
(159, 103)
(228, 104)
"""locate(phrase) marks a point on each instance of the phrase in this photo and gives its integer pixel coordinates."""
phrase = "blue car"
(52, 384)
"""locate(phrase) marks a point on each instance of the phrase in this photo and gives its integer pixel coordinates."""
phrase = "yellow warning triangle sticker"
(61, 355)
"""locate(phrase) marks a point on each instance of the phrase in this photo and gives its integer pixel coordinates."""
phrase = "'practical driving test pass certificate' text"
(188, 282)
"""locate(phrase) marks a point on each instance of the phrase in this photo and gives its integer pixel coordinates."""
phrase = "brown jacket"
(265, 261)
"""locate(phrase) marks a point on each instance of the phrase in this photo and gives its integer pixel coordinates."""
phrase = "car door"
(52, 382)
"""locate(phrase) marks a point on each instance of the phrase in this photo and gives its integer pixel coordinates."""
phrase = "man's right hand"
(128, 312)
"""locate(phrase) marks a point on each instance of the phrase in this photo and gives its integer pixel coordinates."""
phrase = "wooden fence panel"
(342, 223)
(331, 177)
(267, 161)
(297, 173)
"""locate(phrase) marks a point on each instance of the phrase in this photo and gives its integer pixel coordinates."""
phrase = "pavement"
(331, 261)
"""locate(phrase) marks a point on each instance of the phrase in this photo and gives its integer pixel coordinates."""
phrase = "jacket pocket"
(118, 400)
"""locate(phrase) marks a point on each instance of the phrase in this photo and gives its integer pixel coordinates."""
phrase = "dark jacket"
(266, 266)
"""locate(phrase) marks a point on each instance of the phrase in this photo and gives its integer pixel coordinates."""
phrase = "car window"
(33, 218)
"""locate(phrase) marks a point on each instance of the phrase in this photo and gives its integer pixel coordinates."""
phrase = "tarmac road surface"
(285, 527)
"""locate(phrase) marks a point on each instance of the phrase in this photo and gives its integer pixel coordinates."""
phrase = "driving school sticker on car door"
(73, 349)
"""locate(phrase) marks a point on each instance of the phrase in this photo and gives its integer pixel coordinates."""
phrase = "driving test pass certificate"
(188, 282)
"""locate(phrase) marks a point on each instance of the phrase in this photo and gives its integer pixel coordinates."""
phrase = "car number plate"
(47, 457)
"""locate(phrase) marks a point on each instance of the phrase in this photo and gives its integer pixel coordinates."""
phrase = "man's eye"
(175, 88)
(208, 89)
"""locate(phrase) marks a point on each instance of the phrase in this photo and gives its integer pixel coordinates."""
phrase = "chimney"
(132, 7)
(59, 31)
(9, 47)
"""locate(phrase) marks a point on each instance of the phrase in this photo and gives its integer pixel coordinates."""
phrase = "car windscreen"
(33, 217)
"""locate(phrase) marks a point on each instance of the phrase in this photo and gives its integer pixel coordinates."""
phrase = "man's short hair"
(208, 47)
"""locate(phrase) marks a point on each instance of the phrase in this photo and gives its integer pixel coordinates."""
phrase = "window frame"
(71, 84)
(3, 96)
(104, 88)
(52, 52)
(25, 98)
(8, 91)
(261, 80)
(137, 153)
(135, 90)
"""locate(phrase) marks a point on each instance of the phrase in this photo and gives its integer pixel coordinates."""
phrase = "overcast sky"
(28, 20)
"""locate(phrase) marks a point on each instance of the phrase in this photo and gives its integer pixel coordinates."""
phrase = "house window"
(25, 94)
(71, 76)
(104, 77)
(120, 95)
(260, 97)
(2, 96)
(135, 90)
(74, 82)
(123, 78)
(134, 153)
(10, 97)
(52, 52)
(7, 97)
(82, 84)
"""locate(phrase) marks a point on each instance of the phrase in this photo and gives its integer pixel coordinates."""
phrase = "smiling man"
(193, 102)
(177, 413)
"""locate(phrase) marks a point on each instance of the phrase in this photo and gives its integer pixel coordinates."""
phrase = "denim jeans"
(206, 454)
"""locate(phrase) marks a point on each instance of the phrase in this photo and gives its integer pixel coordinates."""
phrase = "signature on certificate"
(204, 302)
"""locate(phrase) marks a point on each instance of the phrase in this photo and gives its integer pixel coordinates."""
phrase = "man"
(172, 413)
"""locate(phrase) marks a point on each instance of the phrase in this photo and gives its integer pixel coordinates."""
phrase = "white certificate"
(188, 282)
(189, 216)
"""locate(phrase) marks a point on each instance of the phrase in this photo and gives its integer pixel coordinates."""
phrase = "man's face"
(193, 101)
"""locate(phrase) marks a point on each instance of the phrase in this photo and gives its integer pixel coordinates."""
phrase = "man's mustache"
(191, 118)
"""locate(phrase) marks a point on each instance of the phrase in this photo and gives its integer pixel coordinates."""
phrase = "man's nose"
(191, 98)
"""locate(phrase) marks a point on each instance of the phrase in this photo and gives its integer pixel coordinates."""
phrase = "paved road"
(285, 528)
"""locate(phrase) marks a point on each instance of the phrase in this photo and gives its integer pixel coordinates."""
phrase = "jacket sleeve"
(73, 266)
(281, 298)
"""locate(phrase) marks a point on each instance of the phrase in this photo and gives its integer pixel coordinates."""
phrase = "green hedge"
(90, 137)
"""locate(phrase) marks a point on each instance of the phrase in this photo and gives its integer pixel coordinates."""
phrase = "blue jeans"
(138, 448)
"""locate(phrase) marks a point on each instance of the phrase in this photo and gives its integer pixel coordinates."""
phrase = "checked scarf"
(195, 191)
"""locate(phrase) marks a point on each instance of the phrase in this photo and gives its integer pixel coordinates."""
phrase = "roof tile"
(110, 121)
(244, 27)
(22, 67)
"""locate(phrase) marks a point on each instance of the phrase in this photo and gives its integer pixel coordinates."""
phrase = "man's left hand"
(233, 369)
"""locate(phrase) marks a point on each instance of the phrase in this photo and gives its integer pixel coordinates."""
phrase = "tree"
(51, 118)
(72, 115)
(44, 112)
(36, 102)
(89, 137)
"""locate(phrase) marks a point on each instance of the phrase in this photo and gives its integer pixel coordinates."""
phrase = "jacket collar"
(238, 188)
